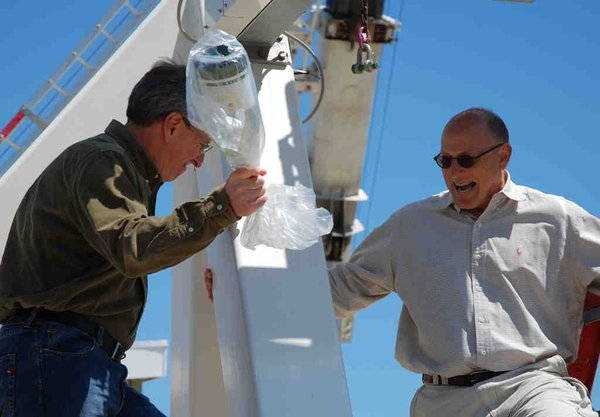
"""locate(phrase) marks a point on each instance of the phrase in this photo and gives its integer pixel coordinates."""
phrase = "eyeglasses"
(204, 147)
(465, 161)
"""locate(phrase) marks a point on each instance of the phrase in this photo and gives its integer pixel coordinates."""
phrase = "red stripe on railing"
(14, 122)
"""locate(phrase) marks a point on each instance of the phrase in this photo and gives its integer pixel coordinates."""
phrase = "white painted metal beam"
(197, 387)
(276, 329)
(340, 129)
(273, 321)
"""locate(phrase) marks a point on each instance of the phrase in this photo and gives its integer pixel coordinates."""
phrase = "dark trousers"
(51, 369)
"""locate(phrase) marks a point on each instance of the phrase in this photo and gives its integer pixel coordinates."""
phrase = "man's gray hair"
(159, 92)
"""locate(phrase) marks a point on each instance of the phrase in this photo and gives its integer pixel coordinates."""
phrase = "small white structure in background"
(146, 360)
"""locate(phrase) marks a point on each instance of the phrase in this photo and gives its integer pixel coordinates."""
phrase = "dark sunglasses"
(465, 161)
(204, 147)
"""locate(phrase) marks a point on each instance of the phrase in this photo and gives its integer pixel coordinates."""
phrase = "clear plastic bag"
(289, 220)
(222, 101)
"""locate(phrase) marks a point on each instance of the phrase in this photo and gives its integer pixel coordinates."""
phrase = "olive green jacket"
(85, 235)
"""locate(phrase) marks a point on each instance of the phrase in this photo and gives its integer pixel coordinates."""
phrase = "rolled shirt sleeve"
(113, 218)
(367, 277)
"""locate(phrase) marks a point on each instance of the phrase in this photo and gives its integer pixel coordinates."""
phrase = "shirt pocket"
(528, 256)
(66, 340)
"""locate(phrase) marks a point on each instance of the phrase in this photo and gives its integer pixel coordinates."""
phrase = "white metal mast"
(270, 348)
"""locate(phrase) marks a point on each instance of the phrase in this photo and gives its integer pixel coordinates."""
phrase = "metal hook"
(368, 63)
(364, 48)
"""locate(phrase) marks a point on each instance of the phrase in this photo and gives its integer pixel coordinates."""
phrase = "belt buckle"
(474, 377)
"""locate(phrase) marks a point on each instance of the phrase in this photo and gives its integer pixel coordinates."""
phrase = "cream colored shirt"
(497, 293)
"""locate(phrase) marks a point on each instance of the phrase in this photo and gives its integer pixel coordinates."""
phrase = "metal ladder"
(91, 53)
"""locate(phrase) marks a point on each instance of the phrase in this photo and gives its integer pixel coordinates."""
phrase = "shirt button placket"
(479, 299)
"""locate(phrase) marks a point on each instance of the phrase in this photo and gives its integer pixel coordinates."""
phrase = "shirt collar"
(510, 190)
(129, 142)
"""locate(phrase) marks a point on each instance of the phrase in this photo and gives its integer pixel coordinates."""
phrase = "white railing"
(93, 51)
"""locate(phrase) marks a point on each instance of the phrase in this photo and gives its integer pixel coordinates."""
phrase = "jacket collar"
(140, 158)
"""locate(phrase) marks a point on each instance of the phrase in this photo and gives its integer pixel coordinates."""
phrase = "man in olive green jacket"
(73, 275)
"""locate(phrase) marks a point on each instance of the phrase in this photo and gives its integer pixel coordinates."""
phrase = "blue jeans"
(49, 369)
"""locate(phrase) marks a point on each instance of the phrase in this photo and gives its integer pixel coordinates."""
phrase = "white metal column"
(275, 324)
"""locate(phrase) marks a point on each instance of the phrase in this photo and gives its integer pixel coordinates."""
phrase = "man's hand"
(245, 188)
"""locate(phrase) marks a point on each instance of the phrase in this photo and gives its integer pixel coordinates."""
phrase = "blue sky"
(537, 65)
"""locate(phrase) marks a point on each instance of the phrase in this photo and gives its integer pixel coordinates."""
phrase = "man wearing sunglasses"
(493, 278)
(73, 275)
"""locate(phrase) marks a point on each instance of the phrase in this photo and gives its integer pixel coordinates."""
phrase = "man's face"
(183, 147)
(472, 188)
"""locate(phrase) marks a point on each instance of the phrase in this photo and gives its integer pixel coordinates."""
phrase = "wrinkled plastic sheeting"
(222, 100)
(288, 220)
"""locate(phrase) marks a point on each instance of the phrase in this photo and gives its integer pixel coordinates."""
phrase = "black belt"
(461, 380)
(111, 346)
